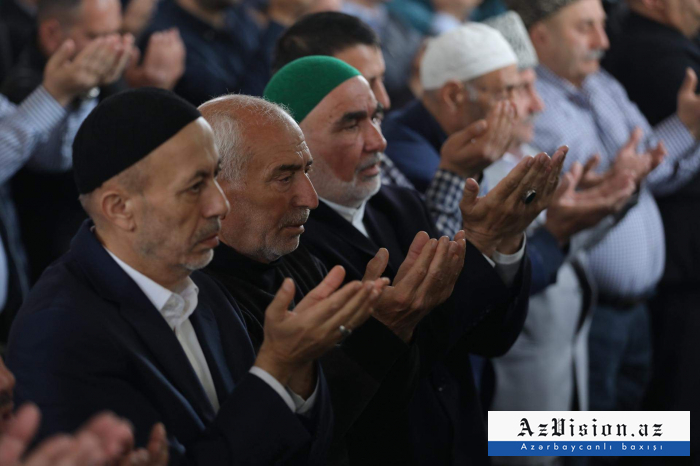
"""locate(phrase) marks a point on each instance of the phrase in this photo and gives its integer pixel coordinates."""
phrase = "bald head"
(234, 118)
(264, 175)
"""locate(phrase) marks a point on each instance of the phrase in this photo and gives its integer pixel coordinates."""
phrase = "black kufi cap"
(124, 129)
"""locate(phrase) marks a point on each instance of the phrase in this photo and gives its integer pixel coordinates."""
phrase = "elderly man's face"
(272, 200)
(178, 215)
(344, 135)
(487, 90)
(369, 61)
(576, 40)
(529, 105)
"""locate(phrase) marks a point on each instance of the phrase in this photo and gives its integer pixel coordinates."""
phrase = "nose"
(216, 204)
(306, 194)
(381, 94)
(601, 38)
(374, 139)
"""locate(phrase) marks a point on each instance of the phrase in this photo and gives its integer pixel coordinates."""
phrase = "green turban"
(302, 84)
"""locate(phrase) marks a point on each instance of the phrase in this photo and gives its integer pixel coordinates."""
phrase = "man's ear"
(117, 208)
(50, 36)
(452, 96)
(539, 35)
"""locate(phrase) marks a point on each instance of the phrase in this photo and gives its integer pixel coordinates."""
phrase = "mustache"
(209, 230)
(597, 54)
(296, 218)
(372, 160)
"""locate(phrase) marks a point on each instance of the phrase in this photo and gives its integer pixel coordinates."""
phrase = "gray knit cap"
(532, 11)
(512, 28)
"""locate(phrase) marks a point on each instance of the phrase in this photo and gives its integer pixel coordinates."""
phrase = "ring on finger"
(344, 331)
(529, 196)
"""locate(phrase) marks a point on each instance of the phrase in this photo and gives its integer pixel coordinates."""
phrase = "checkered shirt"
(598, 118)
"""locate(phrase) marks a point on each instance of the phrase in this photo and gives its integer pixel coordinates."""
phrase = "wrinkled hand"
(125, 46)
(689, 103)
(295, 338)
(638, 164)
(138, 15)
(67, 76)
(425, 280)
(574, 210)
(499, 219)
(628, 160)
(7, 387)
(103, 440)
(469, 151)
(163, 63)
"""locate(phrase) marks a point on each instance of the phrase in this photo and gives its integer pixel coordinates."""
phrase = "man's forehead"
(582, 10)
(278, 144)
(368, 59)
(354, 95)
(192, 145)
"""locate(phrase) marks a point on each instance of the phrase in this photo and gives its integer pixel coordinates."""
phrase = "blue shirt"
(235, 58)
(25, 138)
(598, 118)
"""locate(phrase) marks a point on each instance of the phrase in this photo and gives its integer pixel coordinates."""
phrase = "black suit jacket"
(482, 317)
(371, 374)
(87, 339)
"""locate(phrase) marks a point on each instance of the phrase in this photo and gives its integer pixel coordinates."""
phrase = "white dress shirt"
(505, 265)
(176, 308)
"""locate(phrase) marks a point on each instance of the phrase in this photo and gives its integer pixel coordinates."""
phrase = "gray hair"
(229, 116)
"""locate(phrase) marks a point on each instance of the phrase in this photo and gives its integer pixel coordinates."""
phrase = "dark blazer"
(371, 375)
(87, 339)
(235, 58)
(414, 139)
(482, 317)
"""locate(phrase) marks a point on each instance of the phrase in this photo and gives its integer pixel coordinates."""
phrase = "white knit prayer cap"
(513, 29)
(464, 53)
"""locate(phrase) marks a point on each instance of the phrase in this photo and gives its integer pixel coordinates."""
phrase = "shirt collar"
(544, 74)
(175, 307)
(351, 214)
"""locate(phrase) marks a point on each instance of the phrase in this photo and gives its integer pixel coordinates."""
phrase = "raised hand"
(295, 338)
(497, 221)
(573, 210)
(138, 15)
(125, 48)
(67, 76)
(638, 164)
(163, 62)
(103, 440)
(425, 280)
(469, 151)
(689, 103)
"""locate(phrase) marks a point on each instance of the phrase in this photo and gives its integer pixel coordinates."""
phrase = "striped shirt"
(26, 139)
(598, 118)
